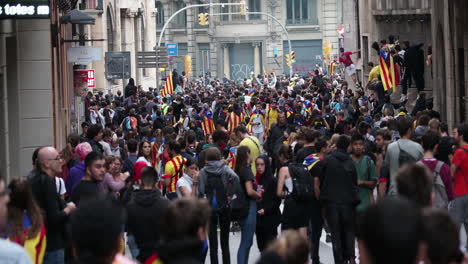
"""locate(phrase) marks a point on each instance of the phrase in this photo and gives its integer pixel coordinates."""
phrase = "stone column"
(191, 37)
(227, 64)
(137, 47)
(128, 40)
(257, 62)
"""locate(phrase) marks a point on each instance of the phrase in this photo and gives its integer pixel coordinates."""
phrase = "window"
(224, 9)
(254, 6)
(159, 15)
(110, 31)
(180, 21)
(301, 12)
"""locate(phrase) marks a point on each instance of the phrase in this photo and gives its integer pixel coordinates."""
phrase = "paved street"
(326, 254)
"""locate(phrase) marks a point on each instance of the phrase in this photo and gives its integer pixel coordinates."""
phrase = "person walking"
(339, 195)
(247, 180)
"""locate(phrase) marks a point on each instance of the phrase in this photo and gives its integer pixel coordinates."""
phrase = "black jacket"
(270, 203)
(338, 183)
(188, 251)
(45, 193)
(145, 211)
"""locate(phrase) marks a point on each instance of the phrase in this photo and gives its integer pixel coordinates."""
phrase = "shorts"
(351, 69)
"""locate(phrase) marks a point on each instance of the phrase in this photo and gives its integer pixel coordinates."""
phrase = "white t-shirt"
(60, 186)
(185, 181)
(257, 128)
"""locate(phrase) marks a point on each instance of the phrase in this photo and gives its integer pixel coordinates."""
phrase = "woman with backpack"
(294, 212)
(247, 180)
(268, 212)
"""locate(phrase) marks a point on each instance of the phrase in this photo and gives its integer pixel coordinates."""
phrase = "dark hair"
(308, 134)
(110, 160)
(35, 154)
(190, 161)
(404, 124)
(414, 182)
(384, 133)
(132, 145)
(424, 120)
(175, 146)
(321, 143)
(93, 131)
(22, 201)
(190, 214)
(441, 236)
(356, 137)
(212, 154)
(140, 148)
(92, 157)
(429, 140)
(242, 129)
(286, 151)
(463, 131)
(219, 135)
(149, 176)
(391, 225)
(241, 158)
(342, 143)
(443, 127)
(96, 228)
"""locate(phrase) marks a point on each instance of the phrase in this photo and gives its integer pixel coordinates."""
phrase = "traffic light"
(207, 19)
(242, 8)
(201, 19)
(293, 57)
(288, 60)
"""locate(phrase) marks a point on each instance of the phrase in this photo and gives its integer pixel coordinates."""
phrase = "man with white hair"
(49, 165)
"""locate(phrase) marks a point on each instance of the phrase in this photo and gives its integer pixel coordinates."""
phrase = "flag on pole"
(389, 71)
(232, 156)
(207, 123)
(168, 87)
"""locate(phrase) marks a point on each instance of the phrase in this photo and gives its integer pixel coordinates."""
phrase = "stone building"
(367, 21)
(450, 59)
(234, 46)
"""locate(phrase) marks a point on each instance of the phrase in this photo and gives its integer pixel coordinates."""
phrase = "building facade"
(450, 59)
(234, 46)
(367, 21)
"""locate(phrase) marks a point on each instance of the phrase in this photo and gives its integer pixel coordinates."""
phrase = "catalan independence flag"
(254, 114)
(308, 106)
(168, 86)
(389, 71)
(251, 92)
(35, 246)
(207, 123)
(234, 121)
(232, 155)
(310, 161)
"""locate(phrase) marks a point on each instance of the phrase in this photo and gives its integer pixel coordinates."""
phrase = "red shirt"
(460, 159)
(345, 58)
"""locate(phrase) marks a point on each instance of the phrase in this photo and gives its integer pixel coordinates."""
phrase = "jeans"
(54, 257)
(458, 209)
(259, 136)
(224, 223)
(316, 225)
(341, 219)
(132, 245)
(248, 226)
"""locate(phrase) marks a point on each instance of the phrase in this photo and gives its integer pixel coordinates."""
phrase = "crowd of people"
(165, 174)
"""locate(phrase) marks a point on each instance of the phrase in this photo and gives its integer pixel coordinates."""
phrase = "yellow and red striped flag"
(207, 123)
(234, 121)
(168, 87)
(389, 73)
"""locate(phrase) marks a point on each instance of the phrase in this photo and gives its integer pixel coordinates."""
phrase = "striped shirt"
(174, 170)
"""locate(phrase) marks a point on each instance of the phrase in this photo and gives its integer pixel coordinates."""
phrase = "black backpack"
(226, 199)
(404, 157)
(303, 182)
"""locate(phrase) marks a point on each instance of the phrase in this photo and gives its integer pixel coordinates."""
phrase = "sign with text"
(172, 49)
(118, 65)
(91, 79)
(24, 9)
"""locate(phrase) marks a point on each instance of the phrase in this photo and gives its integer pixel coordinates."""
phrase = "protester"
(89, 186)
(78, 170)
(144, 213)
(187, 186)
(114, 179)
(290, 248)
(48, 165)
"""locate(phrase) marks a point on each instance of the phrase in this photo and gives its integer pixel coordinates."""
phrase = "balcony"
(401, 7)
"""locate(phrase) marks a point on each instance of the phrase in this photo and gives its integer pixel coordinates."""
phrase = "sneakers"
(403, 98)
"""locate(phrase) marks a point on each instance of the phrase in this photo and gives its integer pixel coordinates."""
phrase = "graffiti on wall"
(304, 69)
(241, 71)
